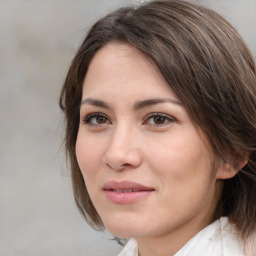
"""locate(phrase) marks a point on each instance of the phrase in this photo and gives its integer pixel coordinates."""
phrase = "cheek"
(88, 156)
(182, 163)
(181, 153)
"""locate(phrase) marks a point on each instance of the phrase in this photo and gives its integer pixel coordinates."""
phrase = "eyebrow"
(137, 106)
(95, 102)
(150, 102)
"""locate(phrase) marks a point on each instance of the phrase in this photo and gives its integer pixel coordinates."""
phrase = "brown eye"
(96, 119)
(101, 119)
(158, 119)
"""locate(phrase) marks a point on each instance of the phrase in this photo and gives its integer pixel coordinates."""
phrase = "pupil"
(101, 119)
(159, 119)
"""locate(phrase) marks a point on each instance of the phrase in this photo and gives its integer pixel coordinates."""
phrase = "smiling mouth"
(126, 192)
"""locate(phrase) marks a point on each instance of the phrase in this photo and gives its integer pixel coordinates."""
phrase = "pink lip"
(126, 192)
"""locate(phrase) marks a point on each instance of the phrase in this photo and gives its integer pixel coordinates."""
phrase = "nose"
(123, 150)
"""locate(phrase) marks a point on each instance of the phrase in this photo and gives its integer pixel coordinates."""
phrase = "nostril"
(126, 165)
(120, 161)
(117, 167)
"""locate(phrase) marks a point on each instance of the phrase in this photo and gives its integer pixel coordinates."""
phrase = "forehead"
(117, 56)
(121, 67)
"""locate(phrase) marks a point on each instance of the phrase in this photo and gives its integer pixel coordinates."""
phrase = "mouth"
(126, 192)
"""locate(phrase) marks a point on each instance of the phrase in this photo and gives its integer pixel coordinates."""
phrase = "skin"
(122, 141)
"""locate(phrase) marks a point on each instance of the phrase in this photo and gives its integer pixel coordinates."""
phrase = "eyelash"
(167, 119)
(87, 120)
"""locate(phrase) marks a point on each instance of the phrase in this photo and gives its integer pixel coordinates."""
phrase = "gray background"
(37, 42)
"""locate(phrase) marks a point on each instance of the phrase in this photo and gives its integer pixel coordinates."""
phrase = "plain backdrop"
(38, 39)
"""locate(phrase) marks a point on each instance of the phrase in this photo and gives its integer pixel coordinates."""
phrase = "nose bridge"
(122, 135)
(122, 149)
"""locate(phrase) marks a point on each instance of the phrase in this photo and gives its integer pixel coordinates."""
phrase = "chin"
(124, 229)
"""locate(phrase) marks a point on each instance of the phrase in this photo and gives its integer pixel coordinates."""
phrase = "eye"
(96, 119)
(158, 119)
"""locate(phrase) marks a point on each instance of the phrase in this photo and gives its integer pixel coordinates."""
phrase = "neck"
(168, 244)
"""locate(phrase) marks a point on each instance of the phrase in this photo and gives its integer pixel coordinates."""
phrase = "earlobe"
(228, 170)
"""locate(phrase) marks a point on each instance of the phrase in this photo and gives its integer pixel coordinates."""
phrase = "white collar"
(219, 238)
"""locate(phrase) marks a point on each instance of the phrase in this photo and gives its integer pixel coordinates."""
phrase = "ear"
(228, 170)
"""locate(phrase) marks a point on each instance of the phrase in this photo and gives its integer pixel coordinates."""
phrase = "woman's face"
(148, 170)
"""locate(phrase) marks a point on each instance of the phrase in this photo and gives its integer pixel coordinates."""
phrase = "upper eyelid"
(160, 114)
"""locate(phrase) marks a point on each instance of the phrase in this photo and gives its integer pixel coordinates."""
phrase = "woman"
(160, 104)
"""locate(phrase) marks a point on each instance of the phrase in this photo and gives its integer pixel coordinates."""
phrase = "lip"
(126, 192)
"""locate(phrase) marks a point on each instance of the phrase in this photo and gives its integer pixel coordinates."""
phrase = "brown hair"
(209, 68)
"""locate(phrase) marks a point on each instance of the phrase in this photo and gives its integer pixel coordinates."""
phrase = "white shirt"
(217, 239)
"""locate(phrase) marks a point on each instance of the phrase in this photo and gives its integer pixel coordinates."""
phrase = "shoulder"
(219, 238)
(231, 241)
